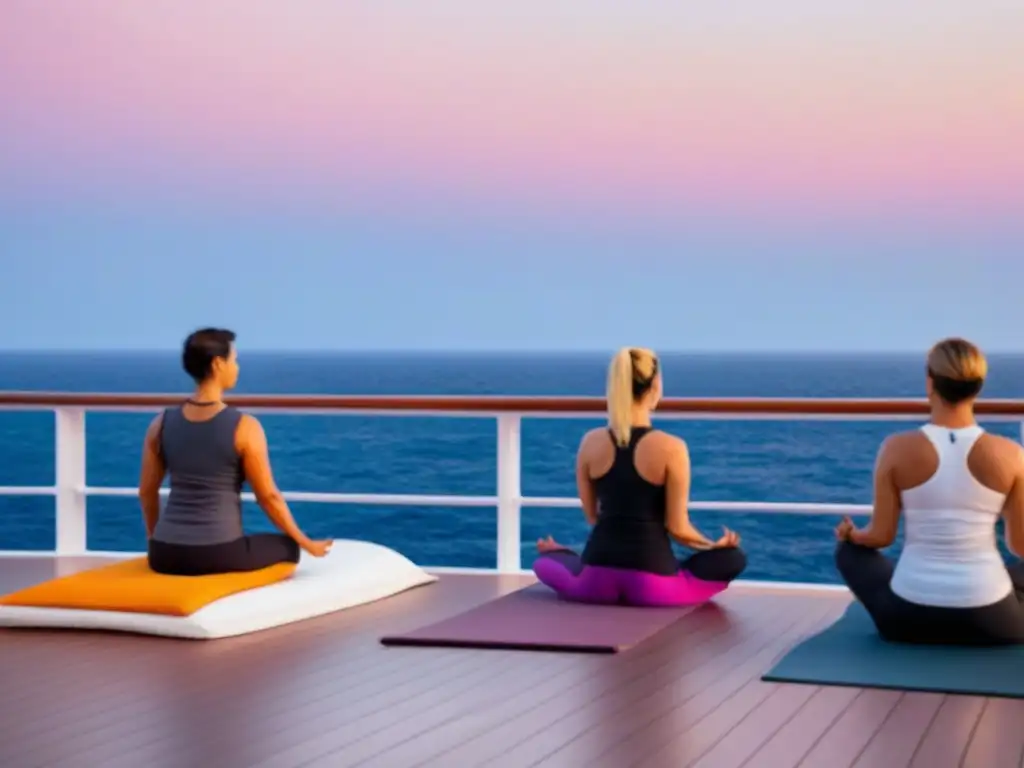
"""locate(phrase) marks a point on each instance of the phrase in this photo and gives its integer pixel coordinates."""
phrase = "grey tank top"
(206, 476)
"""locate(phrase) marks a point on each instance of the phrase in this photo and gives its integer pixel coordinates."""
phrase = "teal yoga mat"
(850, 652)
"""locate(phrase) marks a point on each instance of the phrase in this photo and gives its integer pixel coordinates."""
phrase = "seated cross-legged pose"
(210, 449)
(634, 483)
(951, 481)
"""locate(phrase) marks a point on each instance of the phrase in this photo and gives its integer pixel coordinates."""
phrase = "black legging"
(868, 573)
(249, 553)
(718, 564)
(722, 564)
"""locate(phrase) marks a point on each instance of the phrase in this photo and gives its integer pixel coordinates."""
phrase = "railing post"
(509, 493)
(70, 471)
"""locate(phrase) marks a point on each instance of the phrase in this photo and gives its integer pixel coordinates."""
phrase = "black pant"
(249, 553)
(720, 564)
(868, 573)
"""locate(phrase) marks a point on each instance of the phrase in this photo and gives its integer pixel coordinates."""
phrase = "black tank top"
(630, 530)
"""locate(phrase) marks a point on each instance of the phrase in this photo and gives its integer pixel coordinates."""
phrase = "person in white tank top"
(951, 481)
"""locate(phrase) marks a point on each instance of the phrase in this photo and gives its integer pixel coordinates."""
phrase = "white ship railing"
(71, 489)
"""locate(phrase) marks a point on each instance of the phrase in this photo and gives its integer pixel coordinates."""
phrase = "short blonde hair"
(630, 376)
(957, 369)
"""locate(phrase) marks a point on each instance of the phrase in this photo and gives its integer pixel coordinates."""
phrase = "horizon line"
(480, 352)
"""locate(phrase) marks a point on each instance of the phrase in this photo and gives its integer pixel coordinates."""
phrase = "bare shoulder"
(910, 438)
(594, 437)
(248, 421)
(1001, 447)
(908, 442)
(909, 448)
(667, 442)
(250, 425)
(249, 433)
(153, 430)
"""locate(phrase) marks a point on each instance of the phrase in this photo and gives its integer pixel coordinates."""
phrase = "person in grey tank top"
(209, 450)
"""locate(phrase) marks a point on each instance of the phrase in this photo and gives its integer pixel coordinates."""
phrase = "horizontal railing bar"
(670, 416)
(796, 507)
(378, 499)
(490, 404)
(439, 500)
(27, 490)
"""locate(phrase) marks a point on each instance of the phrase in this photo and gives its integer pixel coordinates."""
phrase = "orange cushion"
(131, 587)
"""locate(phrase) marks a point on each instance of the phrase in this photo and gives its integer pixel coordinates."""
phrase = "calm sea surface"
(732, 460)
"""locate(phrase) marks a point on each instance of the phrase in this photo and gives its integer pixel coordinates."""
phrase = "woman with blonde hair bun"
(951, 481)
(634, 483)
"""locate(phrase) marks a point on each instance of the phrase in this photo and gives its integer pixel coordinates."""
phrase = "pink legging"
(698, 579)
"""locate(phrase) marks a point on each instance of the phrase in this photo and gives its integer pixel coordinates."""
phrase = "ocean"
(804, 461)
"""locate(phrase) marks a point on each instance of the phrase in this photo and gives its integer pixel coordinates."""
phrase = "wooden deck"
(326, 693)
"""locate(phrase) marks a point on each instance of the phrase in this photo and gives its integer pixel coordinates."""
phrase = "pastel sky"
(560, 174)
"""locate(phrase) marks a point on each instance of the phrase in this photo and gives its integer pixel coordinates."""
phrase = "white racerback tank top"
(950, 558)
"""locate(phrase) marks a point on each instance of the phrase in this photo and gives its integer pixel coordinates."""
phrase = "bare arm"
(1013, 508)
(584, 485)
(885, 516)
(677, 500)
(251, 442)
(151, 476)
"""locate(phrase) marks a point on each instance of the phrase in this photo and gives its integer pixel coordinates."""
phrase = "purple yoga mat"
(535, 619)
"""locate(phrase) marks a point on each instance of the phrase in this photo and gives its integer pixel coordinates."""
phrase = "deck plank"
(946, 740)
(566, 701)
(296, 647)
(326, 693)
(846, 738)
(593, 727)
(998, 739)
(895, 743)
(296, 712)
(739, 744)
(704, 726)
(791, 743)
(142, 692)
(436, 703)
(627, 690)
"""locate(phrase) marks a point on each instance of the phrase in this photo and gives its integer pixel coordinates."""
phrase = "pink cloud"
(236, 99)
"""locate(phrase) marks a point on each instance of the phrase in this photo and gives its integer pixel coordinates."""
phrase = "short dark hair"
(204, 346)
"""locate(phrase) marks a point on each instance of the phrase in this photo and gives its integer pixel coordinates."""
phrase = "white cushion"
(353, 573)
